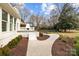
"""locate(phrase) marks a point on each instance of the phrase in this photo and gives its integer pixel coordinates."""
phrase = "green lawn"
(72, 34)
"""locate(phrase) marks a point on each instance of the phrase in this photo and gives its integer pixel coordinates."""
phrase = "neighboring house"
(9, 23)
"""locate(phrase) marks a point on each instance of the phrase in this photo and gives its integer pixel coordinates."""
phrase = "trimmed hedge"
(5, 51)
(14, 42)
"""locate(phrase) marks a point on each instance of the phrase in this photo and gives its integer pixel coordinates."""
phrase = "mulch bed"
(62, 48)
(44, 37)
(21, 48)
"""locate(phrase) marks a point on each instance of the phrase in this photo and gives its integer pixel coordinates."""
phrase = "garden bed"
(42, 37)
(14, 46)
(63, 46)
(21, 48)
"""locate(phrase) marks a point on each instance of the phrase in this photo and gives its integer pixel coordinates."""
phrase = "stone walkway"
(41, 48)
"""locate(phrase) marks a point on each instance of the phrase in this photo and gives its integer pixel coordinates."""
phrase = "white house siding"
(0, 19)
(7, 36)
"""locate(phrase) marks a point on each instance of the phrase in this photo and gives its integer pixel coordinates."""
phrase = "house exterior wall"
(0, 19)
(7, 36)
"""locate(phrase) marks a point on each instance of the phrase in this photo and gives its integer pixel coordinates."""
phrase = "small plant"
(75, 42)
(64, 41)
(5, 51)
(14, 42)
(77, 50)
(77, 45)
(40, 34)
(73, 52)
(63, 38)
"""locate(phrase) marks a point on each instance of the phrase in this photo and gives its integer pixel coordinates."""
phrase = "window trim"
(11, 22)
(4, 20)
(14, 23)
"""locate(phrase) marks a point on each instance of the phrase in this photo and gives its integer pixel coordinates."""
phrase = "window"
(11, 22)
(4, 20)
(14, 23)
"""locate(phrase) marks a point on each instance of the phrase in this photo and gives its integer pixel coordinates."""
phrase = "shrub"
(73, 52)
(40, 34)
(77, 48)
(77, 45)
(75, 42)
(20, 36)
(5, 51)
(63, 38)
(14, 42)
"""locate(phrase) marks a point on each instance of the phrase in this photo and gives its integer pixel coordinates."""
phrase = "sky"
(33, 7)
(42, 8)
(38, 8)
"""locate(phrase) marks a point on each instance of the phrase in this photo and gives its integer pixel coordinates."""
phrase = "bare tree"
(24, 12)
(54, 15)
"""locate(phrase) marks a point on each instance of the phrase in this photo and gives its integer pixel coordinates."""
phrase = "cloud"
(52, 7)
(18, 5)
(44, 6)
(31, 11)
(22, 5)
(47, 8)
(75, 5)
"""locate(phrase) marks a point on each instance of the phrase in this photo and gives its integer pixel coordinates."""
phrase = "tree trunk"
(65, 30)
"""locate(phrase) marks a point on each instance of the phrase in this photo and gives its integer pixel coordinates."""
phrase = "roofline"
(8, 8)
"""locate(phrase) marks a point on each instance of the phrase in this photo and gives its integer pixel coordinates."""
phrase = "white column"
(8, 23)
(18, 24)
(13, 24)
(0, 19)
